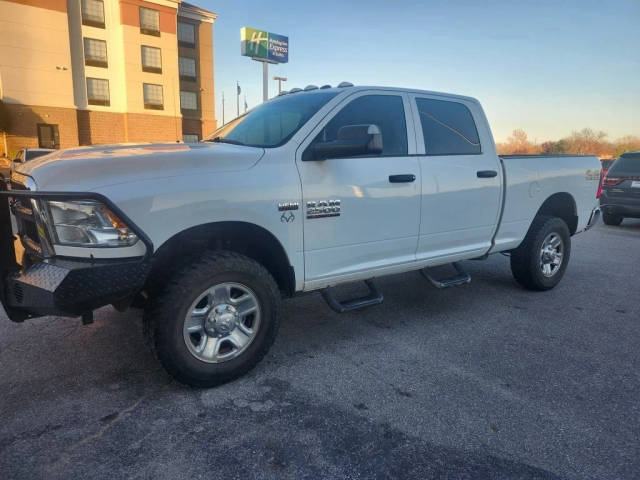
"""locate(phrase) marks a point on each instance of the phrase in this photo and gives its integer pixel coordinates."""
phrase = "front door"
(461, 178)
(48, 136)
(358, 218)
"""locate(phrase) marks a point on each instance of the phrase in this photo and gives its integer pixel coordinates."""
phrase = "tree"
(589, 142)
(517, 144)
(626, 144)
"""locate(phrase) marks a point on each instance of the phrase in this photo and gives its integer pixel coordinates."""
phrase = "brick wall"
(23, 132)
(88, 127)
(153, 128)
(99, 128)
(208, 127)
(192, 126)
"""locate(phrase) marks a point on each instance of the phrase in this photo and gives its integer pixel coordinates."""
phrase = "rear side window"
(448, 128)
(385, 111)
(627, 164)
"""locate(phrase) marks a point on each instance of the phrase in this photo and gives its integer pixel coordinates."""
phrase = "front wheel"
(541, 260)
(215, 320)
(610, 219)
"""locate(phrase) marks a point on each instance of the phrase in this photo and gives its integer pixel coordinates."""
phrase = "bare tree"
(517, 144)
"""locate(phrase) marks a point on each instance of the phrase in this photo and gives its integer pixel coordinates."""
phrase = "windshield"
(627, 164)
(31, 154)
(274, 122)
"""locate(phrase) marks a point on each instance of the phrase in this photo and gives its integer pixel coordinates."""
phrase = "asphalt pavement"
(485, 380)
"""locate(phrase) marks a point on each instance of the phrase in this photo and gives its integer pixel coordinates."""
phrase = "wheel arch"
(245, 238)
(561, 205)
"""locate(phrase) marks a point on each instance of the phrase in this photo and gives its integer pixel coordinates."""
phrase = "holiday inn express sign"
(264, 46)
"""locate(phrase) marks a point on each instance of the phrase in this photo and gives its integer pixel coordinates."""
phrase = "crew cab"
(312, 189)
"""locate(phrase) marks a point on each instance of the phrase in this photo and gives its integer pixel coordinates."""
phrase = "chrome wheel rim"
(551, 254)
(222, 322)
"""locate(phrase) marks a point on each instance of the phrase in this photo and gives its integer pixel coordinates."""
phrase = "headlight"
(86, 223)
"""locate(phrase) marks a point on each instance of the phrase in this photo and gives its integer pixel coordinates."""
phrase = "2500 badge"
(323, 208)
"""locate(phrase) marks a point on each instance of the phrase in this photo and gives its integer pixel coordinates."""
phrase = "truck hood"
(87, 168)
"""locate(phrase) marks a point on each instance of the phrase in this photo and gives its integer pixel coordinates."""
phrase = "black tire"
(610, 219)
(525, 260)
(166, 314)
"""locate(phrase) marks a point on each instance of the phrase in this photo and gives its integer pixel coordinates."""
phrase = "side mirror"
(352, 141)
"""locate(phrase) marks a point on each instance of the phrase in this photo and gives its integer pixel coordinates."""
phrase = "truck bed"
(532, 179)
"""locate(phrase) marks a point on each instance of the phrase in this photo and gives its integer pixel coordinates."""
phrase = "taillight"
(611, 181)
(600, 184)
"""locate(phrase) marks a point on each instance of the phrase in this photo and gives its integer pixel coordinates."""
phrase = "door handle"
(486, 173)
(406, 178)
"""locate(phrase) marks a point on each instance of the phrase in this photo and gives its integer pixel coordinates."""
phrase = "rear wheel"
(540, 261)
(610, 219)
(215, 320)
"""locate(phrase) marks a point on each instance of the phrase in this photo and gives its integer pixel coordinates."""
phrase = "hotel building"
(82, 72)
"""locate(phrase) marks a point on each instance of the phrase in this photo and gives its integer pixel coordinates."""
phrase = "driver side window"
(385, 111)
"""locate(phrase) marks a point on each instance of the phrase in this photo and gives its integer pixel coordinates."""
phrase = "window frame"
(153, 106)
(148, 68)
(93, 23)
(102, 103)
(184, 43)
(188, 77)
(197, 102)
(421, 145)
(345, 101)
(148, 31)
(55, 132)
(92, 62)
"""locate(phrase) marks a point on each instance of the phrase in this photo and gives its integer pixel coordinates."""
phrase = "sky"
(548, 67)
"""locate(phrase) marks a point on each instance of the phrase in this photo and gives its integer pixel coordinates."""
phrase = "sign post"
(264, 47)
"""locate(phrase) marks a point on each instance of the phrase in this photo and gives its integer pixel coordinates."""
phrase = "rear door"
(461, 177)
(372, 220)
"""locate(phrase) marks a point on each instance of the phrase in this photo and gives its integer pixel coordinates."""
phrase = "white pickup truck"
(314, 188)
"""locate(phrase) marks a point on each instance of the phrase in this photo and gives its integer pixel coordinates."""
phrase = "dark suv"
(620, 196)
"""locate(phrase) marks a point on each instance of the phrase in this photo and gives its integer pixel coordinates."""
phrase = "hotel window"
(151, 59)
(93, 13)
(186, 34)
(187, 68)
(98, 91)
(188, 101)
(95, 52)
(149, 21)
(152, 96)
(190, 138)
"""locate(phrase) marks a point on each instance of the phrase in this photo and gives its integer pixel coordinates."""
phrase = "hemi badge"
(283, 207)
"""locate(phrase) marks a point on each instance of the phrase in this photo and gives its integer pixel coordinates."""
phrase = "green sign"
(264, 45)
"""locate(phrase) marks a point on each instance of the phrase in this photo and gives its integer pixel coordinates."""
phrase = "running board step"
(460, 279)
(373, 298)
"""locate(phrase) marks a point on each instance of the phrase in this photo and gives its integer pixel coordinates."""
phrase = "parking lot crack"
(109, 421)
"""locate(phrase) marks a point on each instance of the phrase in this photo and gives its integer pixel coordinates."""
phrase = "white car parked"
(309, 190)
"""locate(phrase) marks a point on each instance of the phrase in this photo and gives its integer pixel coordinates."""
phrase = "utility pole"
(280, 80)
(222, 108)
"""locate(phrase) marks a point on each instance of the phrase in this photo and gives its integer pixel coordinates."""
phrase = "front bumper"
(71, 288)
(42, 284)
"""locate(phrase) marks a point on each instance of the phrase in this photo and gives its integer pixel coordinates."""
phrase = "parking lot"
(481, 381)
